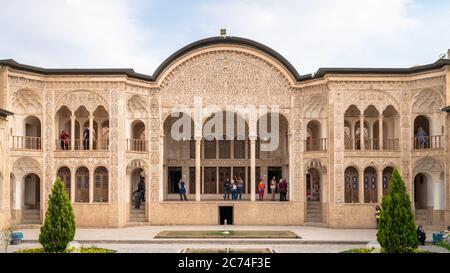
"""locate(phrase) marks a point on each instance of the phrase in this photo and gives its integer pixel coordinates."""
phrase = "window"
(82, 185)
(101, 185)
(351, 185)
(64, 174)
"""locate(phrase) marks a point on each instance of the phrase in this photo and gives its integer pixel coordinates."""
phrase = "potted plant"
(16, 237)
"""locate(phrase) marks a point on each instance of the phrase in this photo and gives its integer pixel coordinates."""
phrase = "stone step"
(315, 224)
(314, 210)
(30, 221)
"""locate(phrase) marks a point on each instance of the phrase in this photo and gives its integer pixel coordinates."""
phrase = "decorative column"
(380, 132)
(91, 127)
(198, 145)
(252, 168)
(361, 187)
(72, 186)
(91, 186)
(361, 131)
(380, 186)
(72, 132)
(352, 130)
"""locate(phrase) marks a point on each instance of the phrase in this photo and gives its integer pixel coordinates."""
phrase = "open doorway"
(226, 214)
(174, 176)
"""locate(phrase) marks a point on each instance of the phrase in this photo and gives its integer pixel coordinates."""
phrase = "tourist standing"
(86, 138)
(261, 188)
(273, 187)
(226, 189)
(282, 188)
(240, 187)
(64, 140)
(421, 135)
(377, 214)
(233, 189)
(182, 190)
(421, 236)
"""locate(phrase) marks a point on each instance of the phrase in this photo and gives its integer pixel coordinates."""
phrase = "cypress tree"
(397, 229)
(59, 226)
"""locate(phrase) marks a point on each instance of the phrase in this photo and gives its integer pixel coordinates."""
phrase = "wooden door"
(210, 180)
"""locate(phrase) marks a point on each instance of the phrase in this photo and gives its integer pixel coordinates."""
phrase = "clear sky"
(141, 34)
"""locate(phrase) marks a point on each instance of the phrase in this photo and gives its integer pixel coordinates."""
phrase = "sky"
(141, 34)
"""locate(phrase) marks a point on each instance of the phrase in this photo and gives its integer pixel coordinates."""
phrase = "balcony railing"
(26, 143)
(136, 145)
(372, 144)
(316, 145)
(99, 145)
(428, 142)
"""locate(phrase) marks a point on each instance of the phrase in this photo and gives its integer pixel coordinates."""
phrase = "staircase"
(423, 217)
(31, 216)
(313, 212)
(137, 215)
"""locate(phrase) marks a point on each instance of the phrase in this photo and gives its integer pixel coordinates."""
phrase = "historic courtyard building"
(341, 133)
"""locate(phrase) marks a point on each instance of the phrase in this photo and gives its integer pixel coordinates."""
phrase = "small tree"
(6, 234)
(397, 229)
(59, 226)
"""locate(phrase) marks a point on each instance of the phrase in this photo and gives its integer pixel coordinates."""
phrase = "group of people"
(235, 187)
(275, 186)
(421, 236)
(64, 138)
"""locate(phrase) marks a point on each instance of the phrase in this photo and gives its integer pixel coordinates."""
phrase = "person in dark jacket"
(226, 189)
(377, 214)
(182, 190)
(421, 236)
(282, 187)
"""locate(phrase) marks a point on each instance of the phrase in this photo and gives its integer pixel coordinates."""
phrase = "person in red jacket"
(261, 189)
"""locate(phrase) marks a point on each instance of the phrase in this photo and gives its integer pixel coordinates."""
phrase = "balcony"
(136, 145)
(316, 145)
(26, 143)
(80, 145)
(428, 142)
(373, 144)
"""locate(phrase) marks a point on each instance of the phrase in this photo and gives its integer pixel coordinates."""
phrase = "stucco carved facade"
(341, 135)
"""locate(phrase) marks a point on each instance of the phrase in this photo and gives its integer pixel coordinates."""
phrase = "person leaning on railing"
(64, 137)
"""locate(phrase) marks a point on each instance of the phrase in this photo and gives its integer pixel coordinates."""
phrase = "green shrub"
(444, 245)
(359, 250)
(96, 250)
(59, 226)
(397, 229)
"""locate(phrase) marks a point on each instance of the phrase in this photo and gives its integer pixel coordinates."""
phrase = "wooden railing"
(316, 145)
(99, 145)
(372, 144)
(136, 145)
(428, 142)
(26, 143)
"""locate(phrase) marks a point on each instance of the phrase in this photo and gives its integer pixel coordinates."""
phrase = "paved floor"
(141, 239)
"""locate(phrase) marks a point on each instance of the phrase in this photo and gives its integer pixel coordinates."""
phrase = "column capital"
(198, 138)
(253, 138)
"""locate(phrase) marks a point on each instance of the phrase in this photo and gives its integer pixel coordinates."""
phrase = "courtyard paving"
(141, 239)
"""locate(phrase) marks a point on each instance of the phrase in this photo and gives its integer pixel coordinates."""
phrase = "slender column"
(380, 131)
(91, 127)
(72, 132)
(380, 186)
(198, 143)
(361, 186)
(252, 168)
(361, 131)
(91, 186)
(352, 131)
(72, 185)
